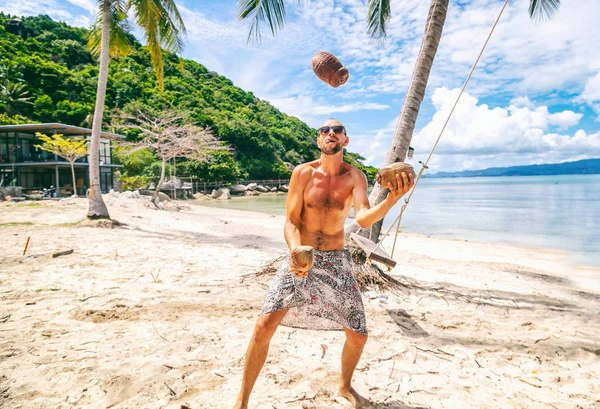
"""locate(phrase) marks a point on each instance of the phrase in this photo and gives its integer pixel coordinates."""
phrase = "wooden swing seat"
(368, 246)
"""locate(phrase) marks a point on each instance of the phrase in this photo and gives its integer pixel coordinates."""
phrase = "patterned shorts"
(328, 299)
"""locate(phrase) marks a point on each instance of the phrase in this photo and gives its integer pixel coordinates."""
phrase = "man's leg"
(256, 354)
(351, 353)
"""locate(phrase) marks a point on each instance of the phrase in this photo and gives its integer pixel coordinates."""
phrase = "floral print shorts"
(328, 299)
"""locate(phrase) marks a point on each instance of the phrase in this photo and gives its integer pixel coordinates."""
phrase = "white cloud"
(311, 110)
(591, 91)
(56, 9)
(479, 136)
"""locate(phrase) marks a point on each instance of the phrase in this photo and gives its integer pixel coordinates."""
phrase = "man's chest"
(328, 195)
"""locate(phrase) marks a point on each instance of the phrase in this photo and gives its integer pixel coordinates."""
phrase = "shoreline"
(569, 257)
(158, 313)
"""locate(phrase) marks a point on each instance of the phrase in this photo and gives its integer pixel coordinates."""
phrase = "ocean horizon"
(557, 212)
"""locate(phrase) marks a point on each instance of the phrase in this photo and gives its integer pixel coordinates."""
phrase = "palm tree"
(163, 28)
(538, 10)
(14, 96)
(273, 13)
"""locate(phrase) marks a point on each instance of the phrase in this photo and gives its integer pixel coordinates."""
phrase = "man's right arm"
(294, 205)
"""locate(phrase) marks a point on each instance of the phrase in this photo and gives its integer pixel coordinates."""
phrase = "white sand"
(158, 315)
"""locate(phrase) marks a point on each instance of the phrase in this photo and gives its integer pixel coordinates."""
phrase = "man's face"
(332, 137)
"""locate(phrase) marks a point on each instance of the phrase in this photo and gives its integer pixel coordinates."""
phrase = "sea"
(557, 212)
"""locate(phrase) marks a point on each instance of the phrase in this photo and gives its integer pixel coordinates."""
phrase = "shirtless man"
(320, 196)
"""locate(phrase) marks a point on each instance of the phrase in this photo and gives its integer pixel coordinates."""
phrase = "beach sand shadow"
(396, 405)
(408, 326)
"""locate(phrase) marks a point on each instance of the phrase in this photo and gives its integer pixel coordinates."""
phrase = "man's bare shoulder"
(356, 174)
(304, 171)
(306, 168)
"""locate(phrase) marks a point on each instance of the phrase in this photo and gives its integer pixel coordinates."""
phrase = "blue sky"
(535, 97)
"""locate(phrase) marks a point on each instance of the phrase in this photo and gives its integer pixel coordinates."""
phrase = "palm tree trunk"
(97, 208)
(410, 110)
(74, 185)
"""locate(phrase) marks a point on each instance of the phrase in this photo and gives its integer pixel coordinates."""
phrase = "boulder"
(262, 189)
(225, 194)
(163, 197)
(274, 189)
(252, 186)
(173, 183)
(216, 193)
(284, 188)
(237, 189)
(252, 193)
(130, 195)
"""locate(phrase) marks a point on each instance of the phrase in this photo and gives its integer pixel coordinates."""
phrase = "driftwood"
(62, 253)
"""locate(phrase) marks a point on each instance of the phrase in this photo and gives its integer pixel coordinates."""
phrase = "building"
(22, 164)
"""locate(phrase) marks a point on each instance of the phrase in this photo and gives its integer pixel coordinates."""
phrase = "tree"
(273, 13)
(70, 149)
(170, 136)
(13, 89)
(163, 28)
(539, 9)
(14, 96)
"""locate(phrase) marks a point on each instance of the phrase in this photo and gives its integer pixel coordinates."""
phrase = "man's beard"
(331, 150)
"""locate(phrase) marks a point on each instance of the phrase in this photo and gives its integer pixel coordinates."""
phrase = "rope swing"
(424, 164)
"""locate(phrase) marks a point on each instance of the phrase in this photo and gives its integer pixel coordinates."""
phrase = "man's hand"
(404, 183)
(301, 260)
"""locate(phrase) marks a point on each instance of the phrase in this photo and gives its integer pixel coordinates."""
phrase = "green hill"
(58, 77)
(581, 167)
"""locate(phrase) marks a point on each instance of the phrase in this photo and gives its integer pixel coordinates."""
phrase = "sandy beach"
(158, 313)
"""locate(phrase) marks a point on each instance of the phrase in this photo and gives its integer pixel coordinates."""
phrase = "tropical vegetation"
(60, 76)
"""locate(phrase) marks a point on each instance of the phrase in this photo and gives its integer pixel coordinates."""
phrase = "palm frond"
(379, 14)
(540, 10)
(119, 43)
(163, 28)
(260, 12)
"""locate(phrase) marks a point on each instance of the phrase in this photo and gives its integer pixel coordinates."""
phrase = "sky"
(534, 97)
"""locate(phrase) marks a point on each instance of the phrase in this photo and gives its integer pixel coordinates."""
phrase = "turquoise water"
(561, 212)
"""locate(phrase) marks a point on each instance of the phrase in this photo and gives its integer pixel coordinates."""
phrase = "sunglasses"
(336, 129)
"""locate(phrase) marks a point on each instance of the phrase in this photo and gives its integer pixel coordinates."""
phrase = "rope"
(424, 165)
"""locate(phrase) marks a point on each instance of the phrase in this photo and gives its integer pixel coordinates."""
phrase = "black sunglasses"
(336, 129)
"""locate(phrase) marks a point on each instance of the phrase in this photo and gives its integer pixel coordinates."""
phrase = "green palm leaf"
(163, 27)
(379, 14)
(119, 43)
(261, 11)
(543, 9)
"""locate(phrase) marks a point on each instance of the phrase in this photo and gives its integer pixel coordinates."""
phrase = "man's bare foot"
(355, 399)
(240, 405)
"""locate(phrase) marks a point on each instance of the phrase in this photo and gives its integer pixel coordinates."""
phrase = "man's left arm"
(365, 214)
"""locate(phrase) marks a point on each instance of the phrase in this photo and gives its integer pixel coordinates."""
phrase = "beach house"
(33, 169)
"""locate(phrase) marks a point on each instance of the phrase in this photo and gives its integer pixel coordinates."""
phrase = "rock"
(163, 197)
(262, 189)
(284, 188)
(252, 186)
(130, 195)
(237, 189)
(216, 193)
(252, 193)
(225, 194)
(199, 196)
(274, 189)
(174, 182)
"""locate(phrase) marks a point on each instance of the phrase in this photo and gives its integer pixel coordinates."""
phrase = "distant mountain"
(581, 167)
